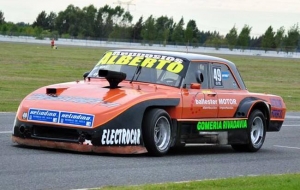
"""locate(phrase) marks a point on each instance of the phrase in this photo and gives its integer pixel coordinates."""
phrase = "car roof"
(191, 57)
(186, 55)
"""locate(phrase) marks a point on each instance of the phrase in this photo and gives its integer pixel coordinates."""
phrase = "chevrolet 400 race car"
(136, 101)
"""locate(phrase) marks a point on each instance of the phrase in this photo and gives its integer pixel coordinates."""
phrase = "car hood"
(92, 98)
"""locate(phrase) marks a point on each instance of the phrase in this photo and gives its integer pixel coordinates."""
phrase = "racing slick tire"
(256, 133)
(157, 131)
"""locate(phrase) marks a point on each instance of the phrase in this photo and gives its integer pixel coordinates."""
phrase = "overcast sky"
(219, 15)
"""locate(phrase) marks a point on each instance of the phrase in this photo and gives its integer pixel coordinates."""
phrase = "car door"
(198, 103)
(226, 88)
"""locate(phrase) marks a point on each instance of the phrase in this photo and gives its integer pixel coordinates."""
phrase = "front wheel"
(256, 133)
(157, 131)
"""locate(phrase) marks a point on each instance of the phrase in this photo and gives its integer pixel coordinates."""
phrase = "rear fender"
(247, 105)
(244, 110)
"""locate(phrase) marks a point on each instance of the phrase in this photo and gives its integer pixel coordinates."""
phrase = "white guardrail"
(108, 44)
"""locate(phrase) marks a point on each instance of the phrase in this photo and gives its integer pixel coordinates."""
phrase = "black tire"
(157, 132)
(256, 133)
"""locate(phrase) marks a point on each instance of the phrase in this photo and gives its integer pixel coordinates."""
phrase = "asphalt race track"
(32, 168)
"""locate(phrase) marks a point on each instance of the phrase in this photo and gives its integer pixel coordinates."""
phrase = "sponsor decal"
(221, 125)
(161, 62)
(74, 99)
(225, 75)
(210, 107)
(222, 101)
(76, 119)
(277, 114)
(227, 101)
(276, 102)
(68, 118)
(43, 115)
(121, 137)
(226, 107)
(206, 102)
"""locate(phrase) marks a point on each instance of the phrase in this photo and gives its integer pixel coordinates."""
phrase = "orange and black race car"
(136, 101)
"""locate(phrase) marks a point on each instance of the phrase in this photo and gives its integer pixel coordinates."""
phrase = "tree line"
(115, 24)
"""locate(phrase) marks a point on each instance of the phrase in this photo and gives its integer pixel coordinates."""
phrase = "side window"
(191, 75)
(221, 77)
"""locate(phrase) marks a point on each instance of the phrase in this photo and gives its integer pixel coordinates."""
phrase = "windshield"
(153, 70)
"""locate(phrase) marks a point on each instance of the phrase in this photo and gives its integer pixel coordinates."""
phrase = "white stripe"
(292, 117)
(298, 148)
(5, 132)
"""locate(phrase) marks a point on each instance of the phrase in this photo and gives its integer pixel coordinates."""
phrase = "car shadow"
(190, 150)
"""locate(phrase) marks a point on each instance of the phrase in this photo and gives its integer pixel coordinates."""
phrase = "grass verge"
(270, 182)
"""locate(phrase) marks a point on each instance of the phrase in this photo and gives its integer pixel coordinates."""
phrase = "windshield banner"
(162, 62)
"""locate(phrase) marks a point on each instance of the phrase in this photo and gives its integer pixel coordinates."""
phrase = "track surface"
(31, 168)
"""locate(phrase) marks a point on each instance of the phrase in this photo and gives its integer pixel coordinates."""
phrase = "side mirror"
(199, 76)
(86, 74)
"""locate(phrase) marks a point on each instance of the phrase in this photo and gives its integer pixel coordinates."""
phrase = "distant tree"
(126, 19)
(2, 18)
(191, 32)
(29, 31)
(22, 24)
(215, 40)
(38, 32)
(137, 29)
(51, 21)
(268, 39)
(122, 29)
(168, 30)
(244, 37)
(110, 17)
(88, 21)
(41, 21)
(99, 24)
(292, 39)
(232, 37)
(4, 29)
(255, 42)
(204, 36)
(70, 21)
(279, 36)
(178, 33)
(188, 35)
(149, 31)
(162, 25)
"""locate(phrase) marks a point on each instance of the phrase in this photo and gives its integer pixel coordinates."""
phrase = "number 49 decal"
(217, 76)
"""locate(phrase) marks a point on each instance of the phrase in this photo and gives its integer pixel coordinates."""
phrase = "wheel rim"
(162, 133)
(257, 131)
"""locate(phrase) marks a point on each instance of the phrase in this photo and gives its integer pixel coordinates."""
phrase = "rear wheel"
(256, 133)
(157, 132)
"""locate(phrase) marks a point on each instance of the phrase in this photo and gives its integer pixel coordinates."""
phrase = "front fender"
(128, 125)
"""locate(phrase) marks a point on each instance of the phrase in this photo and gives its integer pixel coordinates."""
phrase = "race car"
(143, 101)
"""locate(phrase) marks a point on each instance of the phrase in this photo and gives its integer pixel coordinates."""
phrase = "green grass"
(25, 67)
(271, 182)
